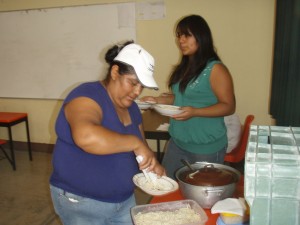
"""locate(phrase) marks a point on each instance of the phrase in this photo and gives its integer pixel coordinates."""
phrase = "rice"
(180, 216)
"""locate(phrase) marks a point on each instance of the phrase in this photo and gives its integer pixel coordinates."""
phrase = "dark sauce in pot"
(209, 176)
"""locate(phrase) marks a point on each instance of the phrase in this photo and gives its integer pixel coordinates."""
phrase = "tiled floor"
(24, 193)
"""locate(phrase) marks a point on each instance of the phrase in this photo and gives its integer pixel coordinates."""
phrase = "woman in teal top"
(202, 86)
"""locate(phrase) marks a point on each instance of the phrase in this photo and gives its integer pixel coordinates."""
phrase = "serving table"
(151, 121)
(212, 218)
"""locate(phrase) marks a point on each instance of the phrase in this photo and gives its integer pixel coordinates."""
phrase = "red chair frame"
(9, 119)
(238, 153)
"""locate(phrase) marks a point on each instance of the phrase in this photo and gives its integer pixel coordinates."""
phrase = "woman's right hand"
(149, 160)
(147, 154)
(165, 98)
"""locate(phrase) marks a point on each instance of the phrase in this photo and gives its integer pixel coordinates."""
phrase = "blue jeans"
(174, 154)
(76, 210)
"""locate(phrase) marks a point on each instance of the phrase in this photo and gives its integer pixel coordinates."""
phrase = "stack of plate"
(167, 110)
(144, 105)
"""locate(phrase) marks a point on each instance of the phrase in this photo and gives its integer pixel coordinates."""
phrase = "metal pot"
(213, 183)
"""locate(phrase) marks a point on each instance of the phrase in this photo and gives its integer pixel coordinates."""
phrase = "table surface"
(212, 218)
(151, 121)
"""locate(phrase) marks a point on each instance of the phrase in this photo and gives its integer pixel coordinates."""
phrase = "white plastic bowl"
(167, 110)
(169, 185)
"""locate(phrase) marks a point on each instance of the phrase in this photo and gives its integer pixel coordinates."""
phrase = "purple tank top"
(105, 178)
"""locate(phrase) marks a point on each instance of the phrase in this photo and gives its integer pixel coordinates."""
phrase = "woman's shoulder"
(214, 62)
(90, 84)
(218, 67)
(214, 66)
(87, 89)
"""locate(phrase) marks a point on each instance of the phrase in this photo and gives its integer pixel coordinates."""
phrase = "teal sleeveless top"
(203, 135)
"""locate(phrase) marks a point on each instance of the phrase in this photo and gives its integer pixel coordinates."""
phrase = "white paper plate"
(167, 183)
(167, 110)
(144, 105)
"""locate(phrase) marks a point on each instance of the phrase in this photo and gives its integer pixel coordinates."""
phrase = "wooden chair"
(10, 119)
(238, 153)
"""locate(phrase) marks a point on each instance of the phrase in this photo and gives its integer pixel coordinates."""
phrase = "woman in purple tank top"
(99, 134)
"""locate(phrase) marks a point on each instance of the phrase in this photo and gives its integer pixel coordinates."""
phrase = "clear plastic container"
(171, 206)
(272, 175)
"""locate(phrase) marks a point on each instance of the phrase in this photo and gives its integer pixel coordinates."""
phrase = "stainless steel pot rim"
(199, 165)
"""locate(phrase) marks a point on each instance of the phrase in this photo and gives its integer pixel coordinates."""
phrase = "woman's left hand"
(188, 112)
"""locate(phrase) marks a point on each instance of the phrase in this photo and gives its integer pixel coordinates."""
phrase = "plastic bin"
(272, 175)
(170, 206)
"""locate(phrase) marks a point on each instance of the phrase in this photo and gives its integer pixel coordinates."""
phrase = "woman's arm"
(85, 116)
(158, 169)
(167, 99)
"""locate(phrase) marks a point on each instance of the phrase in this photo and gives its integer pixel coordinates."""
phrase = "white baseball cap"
(141, 61)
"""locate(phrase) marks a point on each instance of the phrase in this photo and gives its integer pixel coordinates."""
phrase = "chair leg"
(11, 159)
(12, 153)
(28, 140)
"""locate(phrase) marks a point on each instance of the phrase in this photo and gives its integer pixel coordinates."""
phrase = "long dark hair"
(190, 67)
(109, 58)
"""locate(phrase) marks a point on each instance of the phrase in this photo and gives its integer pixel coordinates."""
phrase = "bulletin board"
(44, 53)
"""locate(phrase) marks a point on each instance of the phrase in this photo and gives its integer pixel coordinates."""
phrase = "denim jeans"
(174, 154)
(76, 210)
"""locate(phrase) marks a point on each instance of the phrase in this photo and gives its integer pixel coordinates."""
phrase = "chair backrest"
(238, 153)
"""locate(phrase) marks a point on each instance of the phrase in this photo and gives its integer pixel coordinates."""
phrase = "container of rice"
(184, 212)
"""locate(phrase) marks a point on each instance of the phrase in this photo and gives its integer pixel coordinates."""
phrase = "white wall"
(243, 33)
